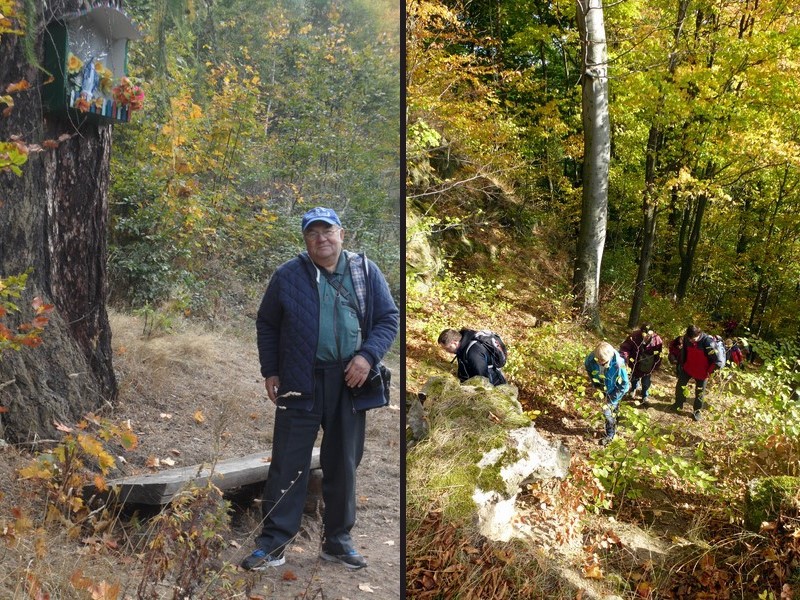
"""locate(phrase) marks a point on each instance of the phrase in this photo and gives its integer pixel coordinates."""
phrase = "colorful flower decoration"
(74, 64)
(128, 94)
(106, 77)
(82, 104)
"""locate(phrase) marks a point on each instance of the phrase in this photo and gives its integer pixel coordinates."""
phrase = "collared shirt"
(339, 329)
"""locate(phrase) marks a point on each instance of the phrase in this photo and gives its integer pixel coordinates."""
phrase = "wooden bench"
(160, 487)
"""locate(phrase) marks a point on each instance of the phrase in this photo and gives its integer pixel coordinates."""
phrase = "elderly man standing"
(326, 320)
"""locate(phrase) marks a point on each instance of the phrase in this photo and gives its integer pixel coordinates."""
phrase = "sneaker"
(696, 416)
(645, 403)
(260, 560)
(605, 441)
(350, 558)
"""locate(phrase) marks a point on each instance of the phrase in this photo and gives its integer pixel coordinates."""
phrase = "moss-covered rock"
(480, 445)
(422, 261)
(766, 498)
(416, 421)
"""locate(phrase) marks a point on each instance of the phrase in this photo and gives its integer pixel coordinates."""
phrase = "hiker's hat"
(320, 213)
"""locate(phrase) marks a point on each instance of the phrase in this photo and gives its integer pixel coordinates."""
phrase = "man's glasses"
(318, 235)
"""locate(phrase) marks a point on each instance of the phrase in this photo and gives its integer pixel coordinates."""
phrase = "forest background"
(702, 227)
(252, 116)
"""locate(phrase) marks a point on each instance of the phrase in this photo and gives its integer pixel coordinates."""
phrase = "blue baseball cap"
(320, 213)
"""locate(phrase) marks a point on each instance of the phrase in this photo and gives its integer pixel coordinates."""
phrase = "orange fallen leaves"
(19, 86)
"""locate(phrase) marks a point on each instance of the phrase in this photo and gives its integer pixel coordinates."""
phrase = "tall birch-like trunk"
(596, 158)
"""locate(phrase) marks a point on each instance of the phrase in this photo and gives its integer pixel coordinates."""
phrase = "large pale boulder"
(482, 449)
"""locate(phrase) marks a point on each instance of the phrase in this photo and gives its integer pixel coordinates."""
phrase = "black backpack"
(495, 347)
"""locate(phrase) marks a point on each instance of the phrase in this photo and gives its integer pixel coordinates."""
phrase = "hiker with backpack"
(607, 371)
(734, 354)
(479, 353)
(700, 356)
(641, 352)
(674, 353)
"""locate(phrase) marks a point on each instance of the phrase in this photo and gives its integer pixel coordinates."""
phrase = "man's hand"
(272, 384)
(356, 372)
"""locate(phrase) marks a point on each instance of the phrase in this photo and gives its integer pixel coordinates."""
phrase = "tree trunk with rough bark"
(688, 239)
(596, 158)
(649, 220)
(53, 221)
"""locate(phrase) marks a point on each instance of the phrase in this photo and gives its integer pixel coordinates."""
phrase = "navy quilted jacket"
(287, 325)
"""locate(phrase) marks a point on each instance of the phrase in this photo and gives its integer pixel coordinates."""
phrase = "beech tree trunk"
(688, 239)
(650, 200)
(53, 221)
(649, 220)
(596, 158)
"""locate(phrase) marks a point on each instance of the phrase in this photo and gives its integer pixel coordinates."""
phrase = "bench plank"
(161, 487)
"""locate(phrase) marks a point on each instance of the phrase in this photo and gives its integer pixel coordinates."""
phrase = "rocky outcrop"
(422, 260)
(482, 445)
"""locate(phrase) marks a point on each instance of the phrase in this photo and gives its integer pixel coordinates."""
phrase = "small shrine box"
(87, 54)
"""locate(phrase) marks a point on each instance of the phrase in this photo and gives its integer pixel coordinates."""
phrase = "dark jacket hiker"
(697, 360)
(474, 354)
(642, 353)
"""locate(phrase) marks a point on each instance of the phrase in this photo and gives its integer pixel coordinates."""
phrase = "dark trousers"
(680, 394)
(610, 412)
(646, 380)
(340, 454)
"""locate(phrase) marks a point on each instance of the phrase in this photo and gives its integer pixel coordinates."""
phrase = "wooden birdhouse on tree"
(86, 52)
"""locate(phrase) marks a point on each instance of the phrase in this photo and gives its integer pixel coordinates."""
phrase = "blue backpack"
(719, 347)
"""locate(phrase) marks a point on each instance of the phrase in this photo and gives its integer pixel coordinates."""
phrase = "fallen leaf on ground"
(364, 587)
(289, 576)
(593, 572)
(389, 542)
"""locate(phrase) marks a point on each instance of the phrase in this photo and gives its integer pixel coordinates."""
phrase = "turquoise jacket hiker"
(613, 379)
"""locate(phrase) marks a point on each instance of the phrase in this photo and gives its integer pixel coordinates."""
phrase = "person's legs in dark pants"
(287, 481)
(680, 389)
(645, 386)
(609, 414)
(699, 392)
(340, 455)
